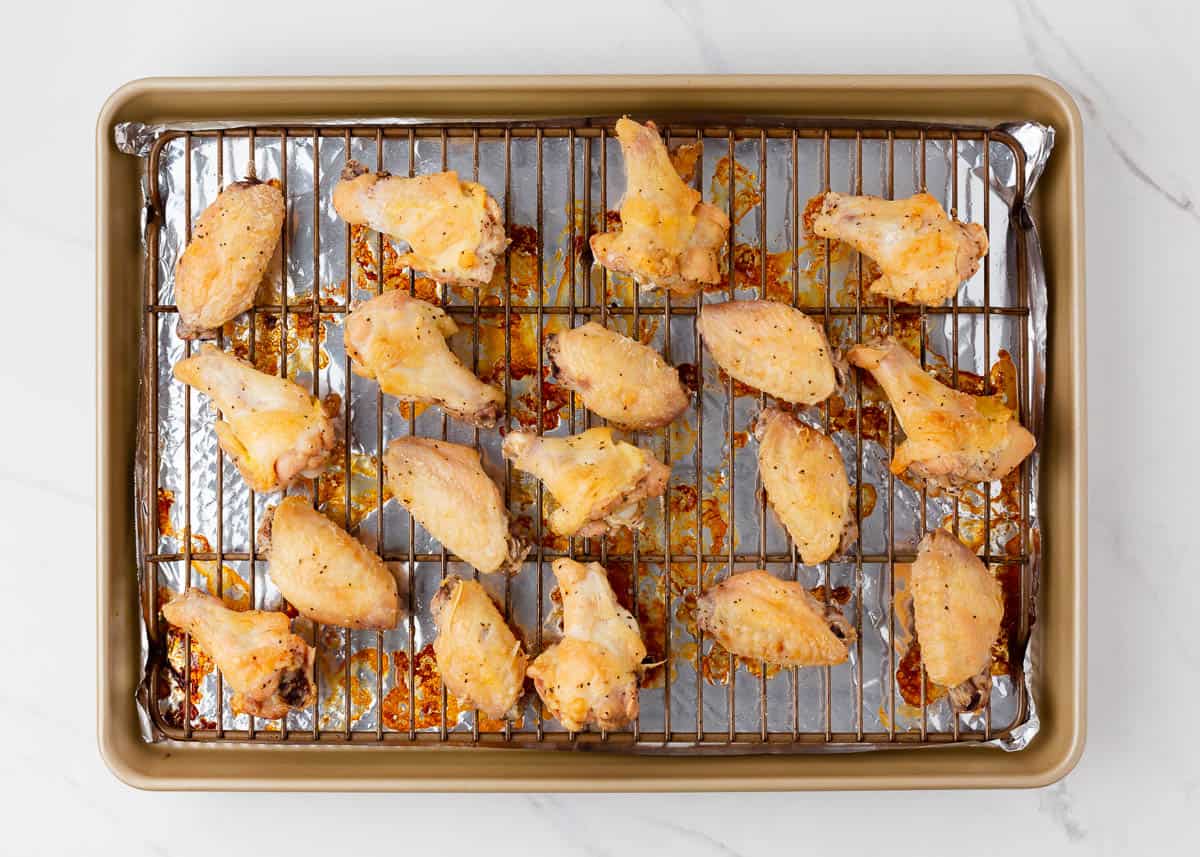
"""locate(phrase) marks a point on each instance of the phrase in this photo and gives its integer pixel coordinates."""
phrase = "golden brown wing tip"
(186, 331)
(444, 592)
(263, 536)
(353, 170)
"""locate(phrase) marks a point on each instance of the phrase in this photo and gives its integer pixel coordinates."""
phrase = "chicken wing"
(668, 238)
(598, 483)
(957, 607)
(953, 438)
(758, 616)
(324, 572)
(401, 341)
(444, 487)
(274, 431)
(924, 256)
(805, 480)
(591, 676)
(477, 654)
(453, 228)
(222, 266)
(269, 668)
(772, 347)
(618, 378)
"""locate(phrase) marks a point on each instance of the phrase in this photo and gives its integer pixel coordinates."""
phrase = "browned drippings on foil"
(650, 611)
(273, 338)
(163, 504)
(427, 697)
(908, 678)
(170, 689)
(364, 676)
(713, 507)
(857, 275)
(364, 489)
(685, 157)
(746, 188)
(837, 595)
(553, 399)
(363, 251)
(234, 589)
(740, 389)
(748, 273)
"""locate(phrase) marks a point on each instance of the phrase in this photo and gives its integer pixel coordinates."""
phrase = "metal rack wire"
(587, 144)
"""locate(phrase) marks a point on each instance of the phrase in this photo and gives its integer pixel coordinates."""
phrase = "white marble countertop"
(1134, 74)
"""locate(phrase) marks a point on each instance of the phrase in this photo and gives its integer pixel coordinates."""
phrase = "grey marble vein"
(1096, 103)
(1055, 802)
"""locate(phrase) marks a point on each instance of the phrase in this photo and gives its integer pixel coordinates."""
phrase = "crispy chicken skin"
(400, 341)
(758, 616)
(923, 254)
(772, 347)
(598, 482)
(233, 241)
(591, 676)
(668, 238)
(274, 431)
(269, 668)
(477, 654)
(453, 228)
(957, 606)
(953, 438)
(444, 487)
(618, 378)
(324, 572)
(805, 480)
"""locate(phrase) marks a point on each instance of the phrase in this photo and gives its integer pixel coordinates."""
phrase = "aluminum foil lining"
(713, 507)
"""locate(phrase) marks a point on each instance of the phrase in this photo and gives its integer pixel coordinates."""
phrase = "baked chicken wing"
(805, 480)
(957, 607)
(444, 487)
(923, 255)
(400, 341)
(618, 378)
(325, 573)
(221, 268)
(269, 668)
(453, 228)
(952, 438)
(591, 676)
(478, 656)
(772, 347)
(758, 616)
(598, 482)
(271, 427)
(668, 238)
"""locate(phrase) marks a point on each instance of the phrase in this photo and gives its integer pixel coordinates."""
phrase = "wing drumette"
(598, 483)
(668, 238)
(271, 427)
(923, 254)
(591, 676)
(401, 342)
(453, 228)
(269, 668)
(953, 438)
